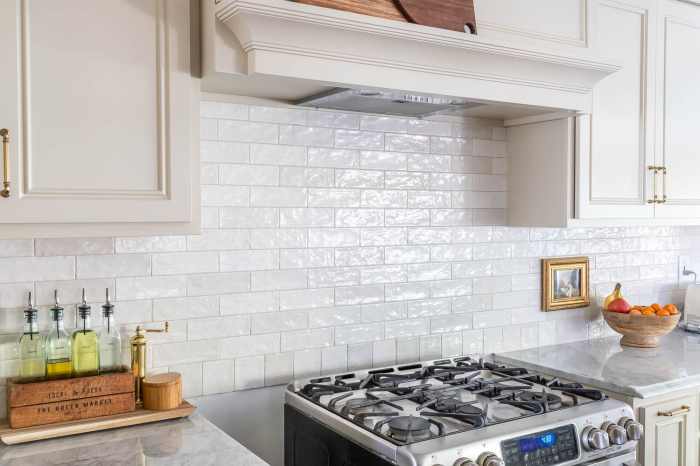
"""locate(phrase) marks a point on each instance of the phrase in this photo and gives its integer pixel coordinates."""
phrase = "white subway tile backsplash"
(307, 363)
(334, 240)
(125, 265)
(218, 376)
(249, 175)
(177, 263)
(245, 131)
(250, 372)
(216, 240)
(349, 139)
(216, 283)
(307, 339)
(225, 152)
(278, 115)
(272, 154)
(279, 368)
(279, 280)
(335, 158)
(249, 303)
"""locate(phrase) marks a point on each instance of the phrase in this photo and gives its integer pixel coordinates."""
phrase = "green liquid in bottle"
(86, 357)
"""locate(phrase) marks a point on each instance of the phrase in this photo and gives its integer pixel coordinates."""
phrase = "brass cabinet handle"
(655, 200)
(664, 197)
(675, 412)
(5, 135)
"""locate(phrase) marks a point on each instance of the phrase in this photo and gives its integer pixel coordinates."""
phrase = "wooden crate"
(33, 403)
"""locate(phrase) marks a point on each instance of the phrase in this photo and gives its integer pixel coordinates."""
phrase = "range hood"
(386, 102)
(291, 51)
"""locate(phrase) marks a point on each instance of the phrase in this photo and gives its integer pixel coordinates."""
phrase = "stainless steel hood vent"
(385, 102)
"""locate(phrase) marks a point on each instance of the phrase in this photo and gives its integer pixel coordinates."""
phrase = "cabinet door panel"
(563, 22)
(98, 100)
(680, 71)
(670, 433)
(617, 146)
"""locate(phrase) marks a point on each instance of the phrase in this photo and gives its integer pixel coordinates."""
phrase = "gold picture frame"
(565, 283)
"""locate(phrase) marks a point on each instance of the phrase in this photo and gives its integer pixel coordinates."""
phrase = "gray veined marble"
(603, 363)
(184, 442)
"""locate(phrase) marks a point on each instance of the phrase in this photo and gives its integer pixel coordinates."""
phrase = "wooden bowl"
(641, 331)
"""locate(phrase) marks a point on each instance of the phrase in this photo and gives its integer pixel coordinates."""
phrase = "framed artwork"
(565, 283)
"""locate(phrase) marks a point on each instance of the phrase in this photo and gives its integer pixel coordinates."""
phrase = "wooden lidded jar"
(162, 391)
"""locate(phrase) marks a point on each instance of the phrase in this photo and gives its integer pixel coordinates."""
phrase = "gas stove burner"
(549, 400)
(452, 405)
(503, 412)
(409, 428)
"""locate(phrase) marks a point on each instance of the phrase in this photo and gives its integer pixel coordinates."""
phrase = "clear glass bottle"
(110, 340)
(85, 344)
(31, 345)
(58, 345)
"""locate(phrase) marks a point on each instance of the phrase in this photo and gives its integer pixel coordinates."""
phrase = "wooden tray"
(63, 429)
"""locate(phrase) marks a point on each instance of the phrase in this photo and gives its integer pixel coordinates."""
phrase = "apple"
(619, 305)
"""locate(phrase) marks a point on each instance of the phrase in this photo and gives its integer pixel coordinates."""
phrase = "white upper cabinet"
(100, 106)
(553, 22)
(679, 109)
(616, 144)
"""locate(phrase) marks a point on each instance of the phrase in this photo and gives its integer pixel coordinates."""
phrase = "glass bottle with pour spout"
(86, 355)
(110, 339)
(31, 345)
(58, 345)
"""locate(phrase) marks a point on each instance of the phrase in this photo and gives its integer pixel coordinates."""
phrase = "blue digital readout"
(545, 440)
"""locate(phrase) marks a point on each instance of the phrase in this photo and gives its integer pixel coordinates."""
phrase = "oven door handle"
(625, 459)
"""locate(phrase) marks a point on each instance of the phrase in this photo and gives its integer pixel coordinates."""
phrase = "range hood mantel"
(286, 39)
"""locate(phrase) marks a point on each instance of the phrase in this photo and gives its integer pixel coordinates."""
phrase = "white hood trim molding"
(289, 39)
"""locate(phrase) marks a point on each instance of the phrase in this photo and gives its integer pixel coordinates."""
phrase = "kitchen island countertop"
(602, 363)
(190, 441)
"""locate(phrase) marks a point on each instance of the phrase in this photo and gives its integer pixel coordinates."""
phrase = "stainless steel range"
(455, 412)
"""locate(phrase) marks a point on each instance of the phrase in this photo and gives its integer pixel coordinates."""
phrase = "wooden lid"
(168, 378)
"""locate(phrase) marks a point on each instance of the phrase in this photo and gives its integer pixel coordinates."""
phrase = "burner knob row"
(593, 439)
(633, 429)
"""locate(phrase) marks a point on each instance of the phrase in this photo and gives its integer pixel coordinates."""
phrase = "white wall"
(336, 241)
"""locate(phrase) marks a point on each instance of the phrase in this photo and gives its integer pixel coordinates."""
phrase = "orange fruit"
(672, 309)
(656, 306)
(648, 311)
(635, 312)
(663, 313)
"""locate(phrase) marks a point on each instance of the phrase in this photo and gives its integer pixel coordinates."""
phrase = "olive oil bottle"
(85, 344)
(58, 345)
(31, 345)
(110, 340)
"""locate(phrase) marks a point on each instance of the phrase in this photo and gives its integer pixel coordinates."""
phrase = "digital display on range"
(545, 440)
(546, 448)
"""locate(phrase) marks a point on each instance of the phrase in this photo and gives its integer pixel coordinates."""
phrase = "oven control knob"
(464, 462)
(633, 428)
(594, 439)
(490, 459)
(617, 434)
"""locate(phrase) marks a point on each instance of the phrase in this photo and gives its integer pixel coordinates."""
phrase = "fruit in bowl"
(640, 326)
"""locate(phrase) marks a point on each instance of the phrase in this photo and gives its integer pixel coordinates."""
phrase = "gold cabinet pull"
(5, 135)
(664, 197)
(675, 412)
(655, 199)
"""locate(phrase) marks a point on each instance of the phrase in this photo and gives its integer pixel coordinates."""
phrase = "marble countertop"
(604, 364)
(182, 442)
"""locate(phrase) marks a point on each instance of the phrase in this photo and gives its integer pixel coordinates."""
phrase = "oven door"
(625, 459)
